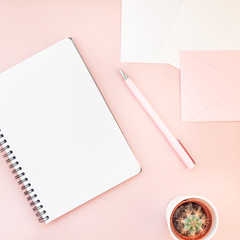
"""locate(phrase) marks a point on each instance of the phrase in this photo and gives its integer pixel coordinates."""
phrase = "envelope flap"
(210, 85)
(195, 86)
(215, 59)
(214, 112)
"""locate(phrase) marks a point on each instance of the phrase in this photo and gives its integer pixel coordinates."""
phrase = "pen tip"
(120, 71)
(123, 74)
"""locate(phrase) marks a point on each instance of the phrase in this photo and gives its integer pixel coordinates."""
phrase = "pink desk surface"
(134, 210)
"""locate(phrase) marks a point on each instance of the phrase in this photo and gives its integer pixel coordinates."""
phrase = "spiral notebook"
(57, 133)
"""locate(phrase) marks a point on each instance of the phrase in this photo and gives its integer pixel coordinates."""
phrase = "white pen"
(175, 143)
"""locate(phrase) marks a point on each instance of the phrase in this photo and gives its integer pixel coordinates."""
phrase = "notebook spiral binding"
(7, 153)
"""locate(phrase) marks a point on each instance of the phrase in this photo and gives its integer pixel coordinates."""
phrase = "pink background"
(135, 210)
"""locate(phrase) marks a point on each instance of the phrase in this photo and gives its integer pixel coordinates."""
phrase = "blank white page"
(61, 131)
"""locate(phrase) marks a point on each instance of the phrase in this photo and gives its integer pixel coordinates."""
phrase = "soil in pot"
(191, 219)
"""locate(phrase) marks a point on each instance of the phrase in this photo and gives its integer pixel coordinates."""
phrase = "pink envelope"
(210, 86)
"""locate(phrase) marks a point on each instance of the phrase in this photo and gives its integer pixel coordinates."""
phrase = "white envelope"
(144, 27)
(202, 25)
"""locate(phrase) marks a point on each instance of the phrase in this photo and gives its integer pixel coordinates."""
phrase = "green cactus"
(191, 220)
(194, 222)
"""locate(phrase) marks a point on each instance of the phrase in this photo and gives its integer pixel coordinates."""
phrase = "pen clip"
(186, 151)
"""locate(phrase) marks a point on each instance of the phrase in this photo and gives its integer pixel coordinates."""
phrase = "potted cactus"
(192, 218)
